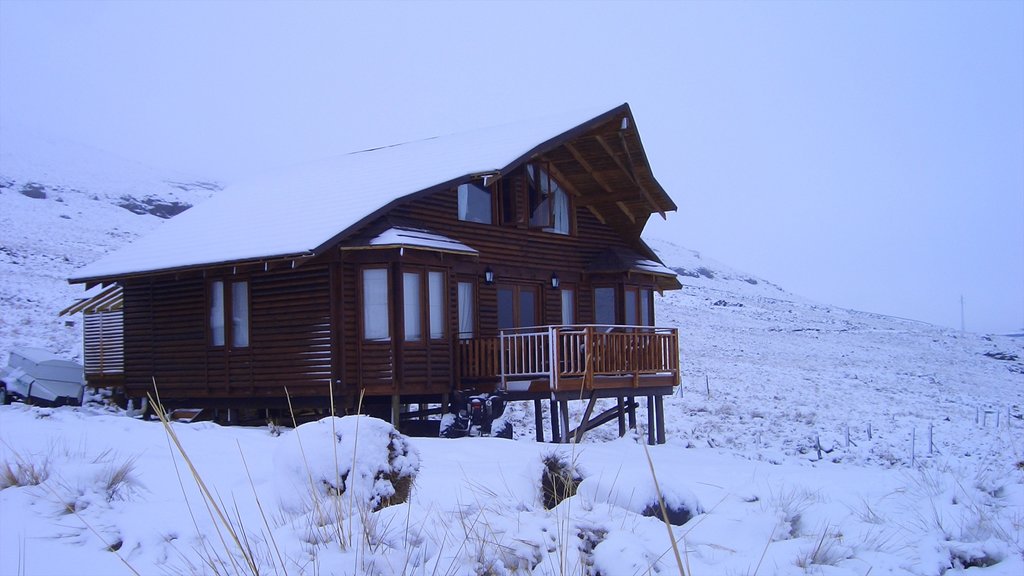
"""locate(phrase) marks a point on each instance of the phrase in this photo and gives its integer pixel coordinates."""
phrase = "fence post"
(930, 444)
(913, 441)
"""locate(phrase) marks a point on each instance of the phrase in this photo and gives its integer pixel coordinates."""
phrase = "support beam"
(585, 422)
(632, 175)
(594, 211)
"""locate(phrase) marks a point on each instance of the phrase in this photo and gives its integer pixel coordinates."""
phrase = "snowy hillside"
(62, 206)
(920, 469)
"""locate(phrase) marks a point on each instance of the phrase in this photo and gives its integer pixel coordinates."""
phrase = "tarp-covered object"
(41, 376)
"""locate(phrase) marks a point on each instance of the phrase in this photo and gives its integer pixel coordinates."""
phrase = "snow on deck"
(293, 212)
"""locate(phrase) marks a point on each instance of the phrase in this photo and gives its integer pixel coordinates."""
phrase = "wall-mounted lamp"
(554, 280)
(488, 276)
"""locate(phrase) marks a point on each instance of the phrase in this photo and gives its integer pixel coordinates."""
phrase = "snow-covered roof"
(399, 237)
(294, 213)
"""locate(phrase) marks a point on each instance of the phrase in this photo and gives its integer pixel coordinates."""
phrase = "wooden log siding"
(166, 324)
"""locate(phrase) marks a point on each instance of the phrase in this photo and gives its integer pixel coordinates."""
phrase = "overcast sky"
(865, 154)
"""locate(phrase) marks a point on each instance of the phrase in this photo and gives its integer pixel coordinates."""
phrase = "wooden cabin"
(508, 258)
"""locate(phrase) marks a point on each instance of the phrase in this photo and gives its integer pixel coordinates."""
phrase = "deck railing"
(577, 352)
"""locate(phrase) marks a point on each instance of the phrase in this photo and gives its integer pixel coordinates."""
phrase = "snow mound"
(634, 489)
(360, 457)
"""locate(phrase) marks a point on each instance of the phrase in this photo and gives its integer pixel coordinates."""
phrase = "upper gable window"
(474, 203)
(548, 202)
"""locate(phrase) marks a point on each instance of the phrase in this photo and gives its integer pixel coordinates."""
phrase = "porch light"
(488, 276)
(554, 280)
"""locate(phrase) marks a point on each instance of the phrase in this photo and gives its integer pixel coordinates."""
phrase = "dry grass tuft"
(24, 473)
(559, 480)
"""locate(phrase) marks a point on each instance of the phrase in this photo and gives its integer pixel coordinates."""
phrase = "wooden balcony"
(572, 358)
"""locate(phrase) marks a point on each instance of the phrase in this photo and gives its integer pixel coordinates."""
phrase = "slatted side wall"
(104, 343)
(166, 323)
(291, 333)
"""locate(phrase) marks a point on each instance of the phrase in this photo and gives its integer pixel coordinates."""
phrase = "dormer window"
(474, 203)
(548, 203)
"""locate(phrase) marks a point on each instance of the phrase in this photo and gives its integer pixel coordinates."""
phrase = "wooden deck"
(573, 358)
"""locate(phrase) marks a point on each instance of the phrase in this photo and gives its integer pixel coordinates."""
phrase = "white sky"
(869, 155)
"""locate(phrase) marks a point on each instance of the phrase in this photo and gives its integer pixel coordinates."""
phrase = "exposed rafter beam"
(596, 213)
(625, 210)
(562, 180)
(590, 169)
(629, 170)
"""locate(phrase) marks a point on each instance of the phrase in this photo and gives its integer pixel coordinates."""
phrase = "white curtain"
(435, 295)
(561, 223)
(413, 316)
(466, 310)
(375, 304)
(217, 313)
(568, 306)
(239, 314)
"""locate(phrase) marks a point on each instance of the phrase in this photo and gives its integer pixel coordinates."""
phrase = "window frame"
(388, 305)
(474, 327)
(470, 186)
(230, 333)
(550, 196)
(517, 290)
(426, 324)
(574, 307)
(614, 301)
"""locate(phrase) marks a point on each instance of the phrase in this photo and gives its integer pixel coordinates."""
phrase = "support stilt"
(396, 409)
(586, 419)
(538, 418)
(564, 410)
(651, 420)
(556, 435)
(632, 413)
(659, 407)
(622, 416)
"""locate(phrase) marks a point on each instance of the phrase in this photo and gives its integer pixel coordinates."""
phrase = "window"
(604, 306)
(632, 318)
(568, 306)
(474, 203)
(375, 304)
(466, 320)
(548, 203)
(646, 307)
(517, 306)
(236, 327)
(423, 303)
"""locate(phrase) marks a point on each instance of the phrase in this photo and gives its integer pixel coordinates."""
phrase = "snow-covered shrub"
(363, 458)
(559, 479)
(634, 490)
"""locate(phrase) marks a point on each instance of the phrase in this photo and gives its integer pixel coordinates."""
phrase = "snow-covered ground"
(920, 469)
